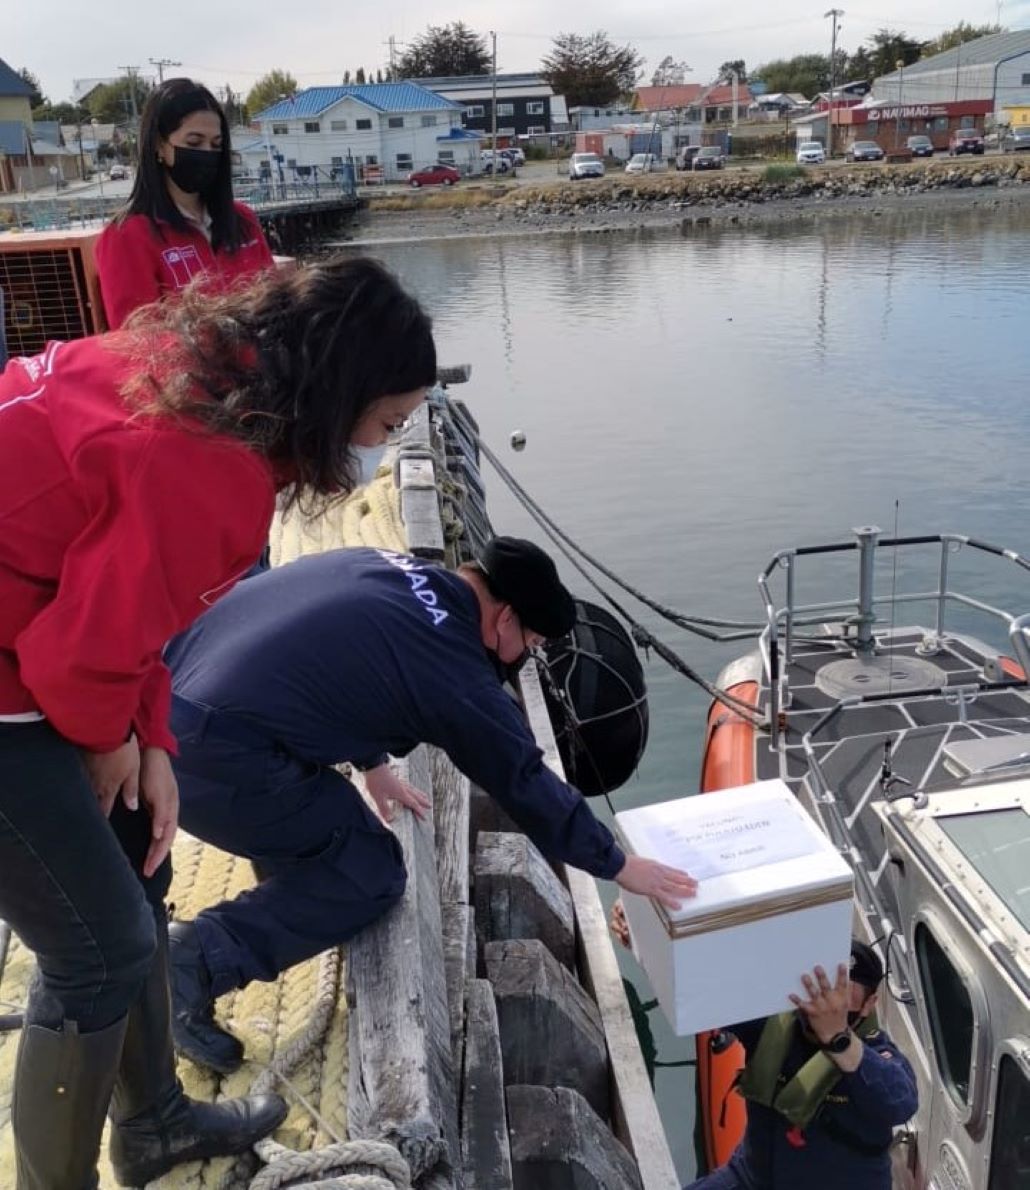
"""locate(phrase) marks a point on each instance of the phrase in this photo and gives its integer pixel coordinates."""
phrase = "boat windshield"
(997, 844)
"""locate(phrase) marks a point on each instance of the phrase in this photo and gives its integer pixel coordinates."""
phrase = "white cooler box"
(774, 899)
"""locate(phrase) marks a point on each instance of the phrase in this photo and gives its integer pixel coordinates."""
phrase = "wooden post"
(401, 1079)
(550, 1028)
(484, 1134)
(558, 1142)
(519, 896)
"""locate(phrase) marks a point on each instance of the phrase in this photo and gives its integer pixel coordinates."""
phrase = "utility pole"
(392, 43)
(161, 63)
(134, 138)
(493, 105)
(835, 13)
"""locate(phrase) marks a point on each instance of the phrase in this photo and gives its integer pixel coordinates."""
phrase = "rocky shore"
(735, 197)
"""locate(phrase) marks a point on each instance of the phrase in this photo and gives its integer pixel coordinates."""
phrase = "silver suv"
(585, 165)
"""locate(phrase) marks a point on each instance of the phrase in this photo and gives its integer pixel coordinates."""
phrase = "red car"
(966, 140)
(434, 175)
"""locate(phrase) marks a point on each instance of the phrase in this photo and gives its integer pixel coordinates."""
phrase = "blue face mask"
(366, 460)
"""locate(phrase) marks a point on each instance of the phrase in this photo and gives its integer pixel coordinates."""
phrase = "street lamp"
(96, 150)
(900, 64)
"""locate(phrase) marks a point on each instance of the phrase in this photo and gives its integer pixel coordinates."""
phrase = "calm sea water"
(694, 402)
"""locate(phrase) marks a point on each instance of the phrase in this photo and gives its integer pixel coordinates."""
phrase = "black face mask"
(508, 671)
(195, 171)
(853, 1019)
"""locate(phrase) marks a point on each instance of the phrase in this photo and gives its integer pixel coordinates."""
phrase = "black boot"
(62, 1085)
(155, 1125)
(193, 1020)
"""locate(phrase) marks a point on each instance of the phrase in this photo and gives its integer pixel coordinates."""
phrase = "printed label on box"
(725, 841)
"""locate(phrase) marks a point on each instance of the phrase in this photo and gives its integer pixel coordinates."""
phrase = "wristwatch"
(838, 1043)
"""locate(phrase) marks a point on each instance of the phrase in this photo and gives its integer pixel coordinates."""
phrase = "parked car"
(585, 165)
(1016, 139)
(811, 152)
(117, 173)
(920, 146)
(487, 159)
(434, 175)
(685, 156)
(710, 157)
(643, 163)
(864, 150)
(515, 155)
(965, 140)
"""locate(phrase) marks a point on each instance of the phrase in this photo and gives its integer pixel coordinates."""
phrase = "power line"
(161, 63)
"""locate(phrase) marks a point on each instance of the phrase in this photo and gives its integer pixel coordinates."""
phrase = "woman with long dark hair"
(180, 222)
(138, 476)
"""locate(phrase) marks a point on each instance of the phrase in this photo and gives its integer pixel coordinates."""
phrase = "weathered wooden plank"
(550, 1028)
(456, 921)
(517, 895)
(484, 1131)
(401, 1078)
(558, 1142)
(634, 1111)
(451, 818)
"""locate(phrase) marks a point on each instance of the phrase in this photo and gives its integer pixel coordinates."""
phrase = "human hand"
(618, 924)
(826, 1008)
(387, 790)
(160, 792)
(111, 773)
(649, 878)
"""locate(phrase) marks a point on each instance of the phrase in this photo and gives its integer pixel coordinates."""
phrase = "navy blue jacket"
(864, 1106)
(351, 654)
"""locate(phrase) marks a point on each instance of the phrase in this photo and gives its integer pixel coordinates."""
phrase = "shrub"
(782, 173)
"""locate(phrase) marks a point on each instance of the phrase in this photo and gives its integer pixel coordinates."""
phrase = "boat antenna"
(889, 779)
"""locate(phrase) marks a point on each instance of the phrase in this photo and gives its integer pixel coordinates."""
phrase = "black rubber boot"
(62, 1086)
(155, 1125)
(193, 1020)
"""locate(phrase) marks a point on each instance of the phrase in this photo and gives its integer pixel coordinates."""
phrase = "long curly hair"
(288, 365)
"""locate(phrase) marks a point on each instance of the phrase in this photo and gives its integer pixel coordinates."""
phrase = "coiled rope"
(376, 1165)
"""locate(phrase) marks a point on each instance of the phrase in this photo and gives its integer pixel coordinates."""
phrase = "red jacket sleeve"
(175, 519)
(127, 265)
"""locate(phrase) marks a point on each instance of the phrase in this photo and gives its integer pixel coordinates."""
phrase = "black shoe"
(193, 1020)
(155, 1126)
(62, 1084)
(148, 1145)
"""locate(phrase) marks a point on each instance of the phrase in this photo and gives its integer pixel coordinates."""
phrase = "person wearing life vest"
(825, 1087)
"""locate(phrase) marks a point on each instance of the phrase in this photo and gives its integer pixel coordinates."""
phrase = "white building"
(384, 130)
(996, 67)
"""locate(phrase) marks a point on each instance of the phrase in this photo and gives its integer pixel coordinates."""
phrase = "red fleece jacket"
(139, 262)
(116, 531)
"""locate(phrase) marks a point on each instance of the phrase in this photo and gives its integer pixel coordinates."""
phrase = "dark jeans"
(70, 882)
(329, 866)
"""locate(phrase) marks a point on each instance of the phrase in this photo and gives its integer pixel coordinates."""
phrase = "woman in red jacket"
(180, 222)
(138, 476)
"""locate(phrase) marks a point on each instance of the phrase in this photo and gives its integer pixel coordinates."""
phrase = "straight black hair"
(288, 365)
(166, 108)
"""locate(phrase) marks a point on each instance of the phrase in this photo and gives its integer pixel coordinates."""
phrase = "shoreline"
(738, 202)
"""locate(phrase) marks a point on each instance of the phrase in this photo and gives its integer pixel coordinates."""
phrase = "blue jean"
(70, 883)
(329, 867)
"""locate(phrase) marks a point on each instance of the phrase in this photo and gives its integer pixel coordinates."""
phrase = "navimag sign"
(916, 111)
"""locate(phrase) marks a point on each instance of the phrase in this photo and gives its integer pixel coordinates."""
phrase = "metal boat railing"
(867, 541)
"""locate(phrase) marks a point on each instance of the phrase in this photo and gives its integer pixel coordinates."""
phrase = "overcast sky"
(223, 43)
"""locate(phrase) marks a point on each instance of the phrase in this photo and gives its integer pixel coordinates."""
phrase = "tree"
(857, 67)
(445, 50)
(805, 74)
(346, 78)
(37, 98)
(63, 113)
(735, 65)
(888, 47)
(269, 89)
(590, 69)
(111, 103)
(961, 33)
(669, 73)
(359, 76)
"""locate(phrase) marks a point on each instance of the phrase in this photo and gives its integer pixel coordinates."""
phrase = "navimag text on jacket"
(420, 585)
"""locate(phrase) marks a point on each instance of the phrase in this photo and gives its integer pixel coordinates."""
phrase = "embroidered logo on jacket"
(184, 264)
(420, 588)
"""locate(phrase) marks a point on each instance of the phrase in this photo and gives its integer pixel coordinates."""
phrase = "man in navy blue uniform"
(825, 1087)
(352, 655)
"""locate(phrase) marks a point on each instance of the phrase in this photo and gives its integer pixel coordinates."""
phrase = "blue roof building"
(385, 130)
